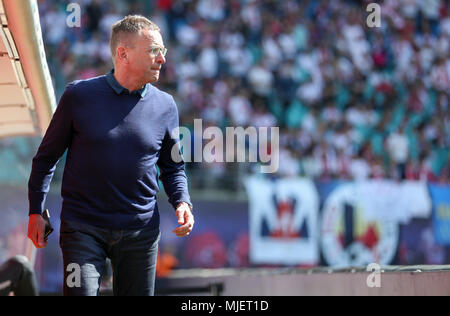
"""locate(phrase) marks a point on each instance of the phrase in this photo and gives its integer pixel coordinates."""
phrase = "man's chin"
(153, 78)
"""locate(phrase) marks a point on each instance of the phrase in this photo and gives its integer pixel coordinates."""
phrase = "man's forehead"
(151, 37)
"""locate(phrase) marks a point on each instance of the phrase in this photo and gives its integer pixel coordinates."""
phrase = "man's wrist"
(188, 204)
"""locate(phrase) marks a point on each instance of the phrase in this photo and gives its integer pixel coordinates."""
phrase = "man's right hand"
(36, 230)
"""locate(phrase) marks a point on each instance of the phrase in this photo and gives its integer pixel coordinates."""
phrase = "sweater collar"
(117, 87)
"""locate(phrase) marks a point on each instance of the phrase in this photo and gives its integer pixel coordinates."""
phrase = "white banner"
(283, 219)
(395, 201)
(360, 220)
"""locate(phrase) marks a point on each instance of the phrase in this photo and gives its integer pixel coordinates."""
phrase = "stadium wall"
(415, 281)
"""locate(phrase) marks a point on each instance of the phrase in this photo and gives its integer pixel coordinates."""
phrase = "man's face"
(144, 64)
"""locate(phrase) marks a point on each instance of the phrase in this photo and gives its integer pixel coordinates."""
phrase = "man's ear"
(121, 54)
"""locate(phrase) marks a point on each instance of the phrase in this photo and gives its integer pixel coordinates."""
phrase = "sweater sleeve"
(56, 139)
(172, 173)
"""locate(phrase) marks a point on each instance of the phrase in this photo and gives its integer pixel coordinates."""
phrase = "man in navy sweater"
(117, 128)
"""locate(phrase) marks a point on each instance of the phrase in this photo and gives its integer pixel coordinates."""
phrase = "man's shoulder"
(87, 84)
(168, 106)
(161, 94)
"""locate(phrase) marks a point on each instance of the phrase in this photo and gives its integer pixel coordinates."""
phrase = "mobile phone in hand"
(48, 226)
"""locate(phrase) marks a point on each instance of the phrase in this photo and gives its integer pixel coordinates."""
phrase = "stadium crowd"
(351, 101)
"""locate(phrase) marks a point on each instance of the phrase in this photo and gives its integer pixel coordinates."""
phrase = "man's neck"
(127, 81)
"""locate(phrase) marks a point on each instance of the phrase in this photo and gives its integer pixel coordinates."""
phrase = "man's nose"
(160, 59)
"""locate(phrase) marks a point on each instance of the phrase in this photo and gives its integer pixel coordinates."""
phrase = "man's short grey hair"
(131, 24)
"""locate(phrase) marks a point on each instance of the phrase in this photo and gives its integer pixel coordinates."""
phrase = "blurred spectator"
(261, 79)
(398, 148)
(359, 168)
(94, 14)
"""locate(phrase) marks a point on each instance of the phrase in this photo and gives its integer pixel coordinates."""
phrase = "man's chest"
(136, 127)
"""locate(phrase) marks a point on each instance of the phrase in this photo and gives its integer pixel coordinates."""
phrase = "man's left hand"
(185, 219)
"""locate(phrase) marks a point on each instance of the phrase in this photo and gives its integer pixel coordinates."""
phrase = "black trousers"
(133, 256)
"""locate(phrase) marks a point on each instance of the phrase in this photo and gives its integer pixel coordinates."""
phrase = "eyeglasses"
(154, 51)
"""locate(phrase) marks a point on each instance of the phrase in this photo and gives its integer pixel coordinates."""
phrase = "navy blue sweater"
(114, 139)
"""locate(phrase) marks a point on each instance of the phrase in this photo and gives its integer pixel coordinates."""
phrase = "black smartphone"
(48, 226)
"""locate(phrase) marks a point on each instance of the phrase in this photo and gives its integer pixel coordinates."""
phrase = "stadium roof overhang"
(27, 99)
